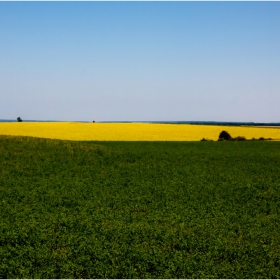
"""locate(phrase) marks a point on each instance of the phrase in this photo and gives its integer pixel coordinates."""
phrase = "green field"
(139, 209)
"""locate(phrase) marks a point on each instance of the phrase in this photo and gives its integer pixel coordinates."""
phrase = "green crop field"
(139, 209)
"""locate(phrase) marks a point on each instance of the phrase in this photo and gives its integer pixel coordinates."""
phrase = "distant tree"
(93, 121)
(19, 119)
(224, 135)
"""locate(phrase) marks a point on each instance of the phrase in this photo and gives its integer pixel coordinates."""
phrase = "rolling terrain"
(73, 209)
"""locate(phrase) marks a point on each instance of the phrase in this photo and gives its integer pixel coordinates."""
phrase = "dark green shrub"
(239, 138)
(205, 139)
(224, 135)
(262, 139)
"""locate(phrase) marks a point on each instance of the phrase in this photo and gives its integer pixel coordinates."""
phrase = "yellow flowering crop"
(132, 131)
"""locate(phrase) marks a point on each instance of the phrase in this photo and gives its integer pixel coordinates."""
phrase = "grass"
(139, 209)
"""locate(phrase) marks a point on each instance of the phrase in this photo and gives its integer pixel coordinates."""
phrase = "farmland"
(132, 131)
(116, 209)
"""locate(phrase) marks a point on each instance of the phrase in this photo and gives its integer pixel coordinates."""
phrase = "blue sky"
(192, 61)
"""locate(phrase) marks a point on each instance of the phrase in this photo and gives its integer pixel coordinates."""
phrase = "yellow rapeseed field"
(132, 131)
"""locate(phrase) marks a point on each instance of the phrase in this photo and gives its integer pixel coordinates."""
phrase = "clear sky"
(139, 61)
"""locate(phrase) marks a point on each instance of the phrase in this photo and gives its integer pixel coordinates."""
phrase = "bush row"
(225, 136)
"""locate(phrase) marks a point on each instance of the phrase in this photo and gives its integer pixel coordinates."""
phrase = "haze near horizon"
(140, 61)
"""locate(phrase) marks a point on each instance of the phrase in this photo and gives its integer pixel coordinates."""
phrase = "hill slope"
(139, 209)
